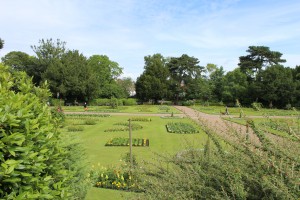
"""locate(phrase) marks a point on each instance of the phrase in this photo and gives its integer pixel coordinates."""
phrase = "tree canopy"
(258, 58)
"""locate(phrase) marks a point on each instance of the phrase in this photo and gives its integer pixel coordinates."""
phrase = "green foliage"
(35, 164)
(87, 115)
(179, 127)
(129, 102)
(90, 122)
(242, 172)
(60, 116)
(141, 119)
(116, 178)
(125, 127)
(153, 83)
(75, 128)
(1, 43)
(125, 142)
(259, 57)
(18, 60)
(234, 86)
(114, 103)
(256, 106)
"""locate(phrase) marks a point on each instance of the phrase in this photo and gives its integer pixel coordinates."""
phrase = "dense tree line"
(71, 75)
(260, 77)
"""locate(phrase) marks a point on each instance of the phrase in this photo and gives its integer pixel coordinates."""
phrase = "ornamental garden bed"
(140, 119)
(139, 142)
(86, 115)
(117, 179)
(180, 127)
(123, 126)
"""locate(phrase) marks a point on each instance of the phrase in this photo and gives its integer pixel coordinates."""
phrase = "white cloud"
(215, 31)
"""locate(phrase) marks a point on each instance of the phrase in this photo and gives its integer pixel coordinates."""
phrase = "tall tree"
(70, 77)
(296, 78)
(259, 57)
(1, 43)
(183, 70)
(153, 83)
(277, 85)
(106, 72)
(127, 85)
(235, 86)
(19, 61)
(48, 52)
(216, 76)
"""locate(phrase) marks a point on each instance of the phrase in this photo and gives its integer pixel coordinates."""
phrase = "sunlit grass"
(125, 109)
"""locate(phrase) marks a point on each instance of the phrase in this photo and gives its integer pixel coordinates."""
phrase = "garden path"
(220, 126)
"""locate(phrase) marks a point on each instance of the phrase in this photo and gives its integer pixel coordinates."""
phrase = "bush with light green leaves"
(34, 163)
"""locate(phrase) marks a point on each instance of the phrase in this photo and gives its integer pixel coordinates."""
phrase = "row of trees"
(70, 74)
(260, 77)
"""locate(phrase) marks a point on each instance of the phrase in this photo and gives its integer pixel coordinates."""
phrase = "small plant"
(116, 178)
(256, 106)
(179, 127)
(87, 115)
(125, 127)
(90, 122)
(125, 142)
(141, 119)
(75, 128)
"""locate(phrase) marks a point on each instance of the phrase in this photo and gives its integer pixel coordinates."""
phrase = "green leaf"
(25, 174)
(47, 178)
(12, 180)
(11, 162)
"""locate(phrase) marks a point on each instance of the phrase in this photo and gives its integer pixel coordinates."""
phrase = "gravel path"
(220, 126)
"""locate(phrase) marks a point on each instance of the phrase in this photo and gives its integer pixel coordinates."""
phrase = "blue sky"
(213, 31)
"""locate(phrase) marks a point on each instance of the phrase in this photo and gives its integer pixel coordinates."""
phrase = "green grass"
(260, 122)
(123, 109)
(235, 111)
(93, 138)
(100, 193)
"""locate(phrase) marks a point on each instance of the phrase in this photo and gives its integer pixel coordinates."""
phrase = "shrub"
(35, 164)
(75, 128)
(179, 127)
(129, 102)
(141, 119)
(256, 106)
(90, 122)
(125, 142)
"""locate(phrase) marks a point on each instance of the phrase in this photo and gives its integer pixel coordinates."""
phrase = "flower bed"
(75, 128)
(179, 127)
(87, 115)
(125, 127)
(125, 142)
(116, 179)
(141, 119)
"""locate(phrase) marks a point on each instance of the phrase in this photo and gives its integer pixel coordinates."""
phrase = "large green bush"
(34, 163)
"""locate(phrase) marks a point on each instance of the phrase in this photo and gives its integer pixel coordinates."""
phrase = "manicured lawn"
(125, 109)
(94, 138)
(235, 111)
